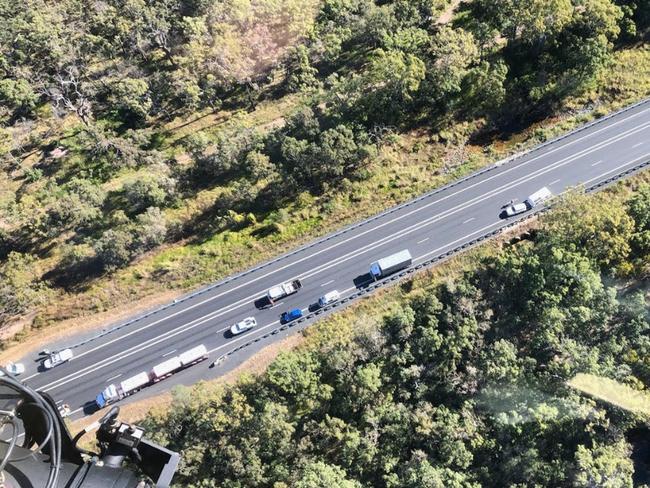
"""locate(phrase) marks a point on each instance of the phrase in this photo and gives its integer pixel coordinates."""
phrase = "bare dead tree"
(67, 94)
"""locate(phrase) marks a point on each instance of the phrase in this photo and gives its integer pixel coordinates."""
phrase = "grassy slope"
(612, 392)
(414, 163)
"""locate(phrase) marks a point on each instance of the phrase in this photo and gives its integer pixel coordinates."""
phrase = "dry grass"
(37, 339)
(612, 392)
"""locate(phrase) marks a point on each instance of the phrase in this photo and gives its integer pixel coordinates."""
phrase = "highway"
(430, 226)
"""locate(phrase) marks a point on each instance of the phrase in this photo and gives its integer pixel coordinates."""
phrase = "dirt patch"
(448, 14)
(37, 339)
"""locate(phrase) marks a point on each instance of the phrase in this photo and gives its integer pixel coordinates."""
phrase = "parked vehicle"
(391, 264)
(58, 358)
(14, 368)
(291, 315)
(117, 391)
(328, 298)
(283, 290)
(538, 197)
(244, 325)
(515, 209)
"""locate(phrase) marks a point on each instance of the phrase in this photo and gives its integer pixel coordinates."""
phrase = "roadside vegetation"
(466, 381)
(156, 145)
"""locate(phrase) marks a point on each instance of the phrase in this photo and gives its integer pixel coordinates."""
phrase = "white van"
(328, 298)
(538, 197)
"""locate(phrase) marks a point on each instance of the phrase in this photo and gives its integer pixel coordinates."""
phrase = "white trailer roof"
(134, 382)
(393, 259)
(166, 367)
(540, 195)
(193, 354)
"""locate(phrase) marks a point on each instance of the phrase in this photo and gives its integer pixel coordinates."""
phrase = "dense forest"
(464, 385)
(93, 177)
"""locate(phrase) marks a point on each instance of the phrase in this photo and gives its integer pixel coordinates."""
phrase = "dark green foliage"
(462, 386)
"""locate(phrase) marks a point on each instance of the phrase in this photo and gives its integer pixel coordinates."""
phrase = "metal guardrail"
(110, 329)
(398, 277)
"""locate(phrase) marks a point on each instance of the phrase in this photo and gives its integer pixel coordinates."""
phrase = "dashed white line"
(597, 162)
(469, 220)
(555, 181)
(328, 283)
(637, 145)
(276, 305)
(168, 353)
(423, 240)
(401, 234)
(113, 377)
(371, 229)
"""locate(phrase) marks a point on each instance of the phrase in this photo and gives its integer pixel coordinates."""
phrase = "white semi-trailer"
(115, 392)
(391, 264)
(283, 290)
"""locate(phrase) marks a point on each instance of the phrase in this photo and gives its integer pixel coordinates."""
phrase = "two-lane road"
(428, 226)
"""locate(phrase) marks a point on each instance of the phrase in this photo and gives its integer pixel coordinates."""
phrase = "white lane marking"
(179, 330)
(469, 220)
(597, 162)
(423, 240)
(555, 181)
(483, 229)
(113, 377)
(58, 401)
(356, 236)
(168, 353)
(259, 329)
(637, 145)
(276, 305)
(328, 283)
(398, 235)
(75, 411)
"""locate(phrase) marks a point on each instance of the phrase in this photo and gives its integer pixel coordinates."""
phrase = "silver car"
(244, 325)
(14, 368)
(516, 209)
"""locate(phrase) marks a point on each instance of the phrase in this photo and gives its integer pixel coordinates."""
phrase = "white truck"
(538, 197)
(283, 290)
(115, 392)
(391, 264)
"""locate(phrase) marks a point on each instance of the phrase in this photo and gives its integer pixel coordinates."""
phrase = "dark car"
(291, 315)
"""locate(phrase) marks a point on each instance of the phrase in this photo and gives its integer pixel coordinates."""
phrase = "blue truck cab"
(291, 315)
(100, 401)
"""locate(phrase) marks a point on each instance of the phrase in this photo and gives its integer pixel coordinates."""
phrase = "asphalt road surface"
(429, 226)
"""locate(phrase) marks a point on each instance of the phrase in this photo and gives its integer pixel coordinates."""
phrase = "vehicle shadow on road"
(262, 303)
(90, 408)
(362, 281)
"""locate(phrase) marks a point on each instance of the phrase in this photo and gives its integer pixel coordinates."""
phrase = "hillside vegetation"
(154, 144)
(463, 384)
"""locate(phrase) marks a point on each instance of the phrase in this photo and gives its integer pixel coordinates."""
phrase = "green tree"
(20, 286)
(608, 466)
(114, 249)
(321, 475)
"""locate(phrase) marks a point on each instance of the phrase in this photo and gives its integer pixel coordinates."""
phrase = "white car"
(14, 368)
(516, 209)
(328, 298)
(246, 324)
(57, 358)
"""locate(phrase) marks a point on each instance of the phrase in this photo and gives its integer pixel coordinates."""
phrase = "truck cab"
(291, 315)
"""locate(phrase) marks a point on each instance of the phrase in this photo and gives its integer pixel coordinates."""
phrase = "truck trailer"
(115, 392)
(391, 264)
